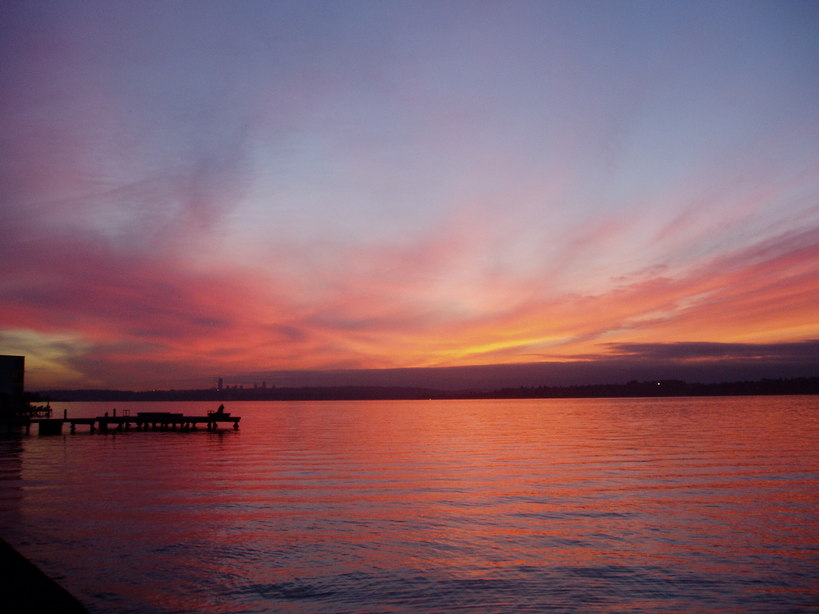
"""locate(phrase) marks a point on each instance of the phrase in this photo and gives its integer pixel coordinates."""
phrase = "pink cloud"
(419, 304)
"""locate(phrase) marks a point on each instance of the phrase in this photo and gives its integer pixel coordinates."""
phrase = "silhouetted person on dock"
(221, 410)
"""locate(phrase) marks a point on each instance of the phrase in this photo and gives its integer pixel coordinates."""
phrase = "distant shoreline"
(652, 388)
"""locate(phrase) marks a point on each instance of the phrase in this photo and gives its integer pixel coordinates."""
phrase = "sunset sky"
(333, 192)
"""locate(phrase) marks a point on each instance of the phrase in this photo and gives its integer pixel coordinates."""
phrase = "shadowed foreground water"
(593, 505)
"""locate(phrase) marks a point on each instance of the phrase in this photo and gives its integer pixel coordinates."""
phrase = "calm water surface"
(594, 505)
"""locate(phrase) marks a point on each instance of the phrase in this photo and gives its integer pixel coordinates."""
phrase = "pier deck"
(142, 421)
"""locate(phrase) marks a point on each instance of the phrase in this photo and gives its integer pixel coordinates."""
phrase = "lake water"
(593, 505)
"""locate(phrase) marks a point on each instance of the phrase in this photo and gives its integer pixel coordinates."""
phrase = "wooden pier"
(142, 421)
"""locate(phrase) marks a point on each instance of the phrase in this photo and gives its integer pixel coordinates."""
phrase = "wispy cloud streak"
(262, 187)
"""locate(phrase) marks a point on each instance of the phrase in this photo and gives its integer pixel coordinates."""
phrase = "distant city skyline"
(534, 192)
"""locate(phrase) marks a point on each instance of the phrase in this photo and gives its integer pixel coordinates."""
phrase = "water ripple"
(639, 505)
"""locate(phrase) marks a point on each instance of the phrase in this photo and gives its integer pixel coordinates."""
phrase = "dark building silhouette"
(12, 375)
(12, 382)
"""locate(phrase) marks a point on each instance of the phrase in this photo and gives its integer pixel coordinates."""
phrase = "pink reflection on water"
(637, 504)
